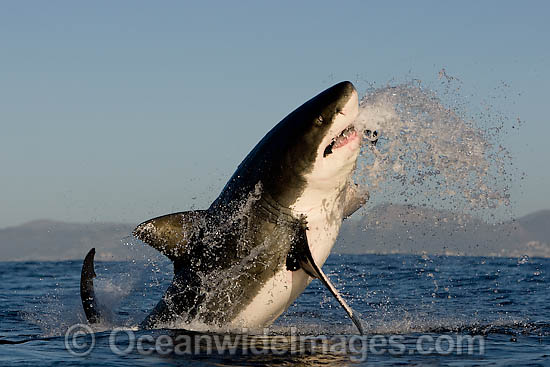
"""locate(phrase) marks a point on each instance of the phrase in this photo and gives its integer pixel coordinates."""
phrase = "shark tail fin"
(87, 293)
(170, 234)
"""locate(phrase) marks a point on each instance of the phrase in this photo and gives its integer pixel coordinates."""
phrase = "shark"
(244, 260)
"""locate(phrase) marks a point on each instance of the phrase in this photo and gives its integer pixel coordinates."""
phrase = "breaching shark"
(243, 261)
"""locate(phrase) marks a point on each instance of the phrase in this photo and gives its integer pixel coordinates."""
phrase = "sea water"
(417, 301)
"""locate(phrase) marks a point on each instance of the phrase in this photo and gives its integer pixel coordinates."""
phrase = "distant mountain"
(383, 229)
(49, 240)
(536, 226)
(408, 229)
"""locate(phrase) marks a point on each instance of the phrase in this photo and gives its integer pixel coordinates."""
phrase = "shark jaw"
(346, 136)
(338, 151)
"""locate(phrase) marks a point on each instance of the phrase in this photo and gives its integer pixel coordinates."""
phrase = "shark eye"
(319, 121)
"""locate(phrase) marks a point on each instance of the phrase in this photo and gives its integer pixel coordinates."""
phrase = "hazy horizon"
(356, 216)
(384, 229)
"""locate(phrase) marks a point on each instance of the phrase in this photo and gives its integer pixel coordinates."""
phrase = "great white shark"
(243, 261)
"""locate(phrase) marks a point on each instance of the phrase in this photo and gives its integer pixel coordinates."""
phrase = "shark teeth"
(345, 136)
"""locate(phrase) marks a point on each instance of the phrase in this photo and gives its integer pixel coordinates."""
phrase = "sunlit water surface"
(503, 300)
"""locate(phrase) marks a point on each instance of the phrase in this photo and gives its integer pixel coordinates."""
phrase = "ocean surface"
(418, 310)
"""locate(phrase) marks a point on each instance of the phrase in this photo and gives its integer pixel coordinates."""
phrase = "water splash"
(126, 290)
(431, 152)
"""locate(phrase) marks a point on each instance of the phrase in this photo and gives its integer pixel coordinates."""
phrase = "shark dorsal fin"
(170, 234)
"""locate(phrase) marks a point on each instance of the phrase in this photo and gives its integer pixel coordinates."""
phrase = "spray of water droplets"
(430, 153)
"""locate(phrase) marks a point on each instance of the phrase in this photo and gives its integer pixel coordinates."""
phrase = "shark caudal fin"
(87, 294)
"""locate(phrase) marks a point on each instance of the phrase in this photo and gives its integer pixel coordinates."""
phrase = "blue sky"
(120, 111)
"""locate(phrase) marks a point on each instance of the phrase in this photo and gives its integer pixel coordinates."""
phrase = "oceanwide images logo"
(80, 341)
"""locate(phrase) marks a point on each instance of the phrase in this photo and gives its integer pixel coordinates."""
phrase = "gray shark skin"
(257, 233)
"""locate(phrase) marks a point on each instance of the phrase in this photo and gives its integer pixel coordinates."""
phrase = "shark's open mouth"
(347, 135)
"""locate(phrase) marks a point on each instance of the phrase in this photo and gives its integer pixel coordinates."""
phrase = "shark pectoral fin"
(300, 257)
(355, 199)
(311, 268)
(87, 293)
(169, 233)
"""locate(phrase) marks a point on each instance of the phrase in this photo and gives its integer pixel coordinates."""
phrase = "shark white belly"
(285, 286)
